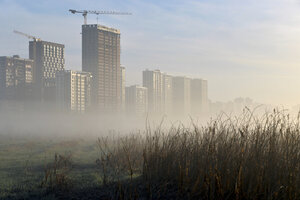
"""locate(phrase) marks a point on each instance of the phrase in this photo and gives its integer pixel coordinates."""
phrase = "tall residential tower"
(168, 94)
(16, 78)
(101, 57)
(73, 91)
(153, 80)
(137, 100)
(123, 77)
(181, 95)
(199, 97)
(49, 58)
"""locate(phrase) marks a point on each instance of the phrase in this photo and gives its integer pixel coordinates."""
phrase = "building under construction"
(49, 58)
(101, 57)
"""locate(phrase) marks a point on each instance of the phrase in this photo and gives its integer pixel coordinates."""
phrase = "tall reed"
(244, 157)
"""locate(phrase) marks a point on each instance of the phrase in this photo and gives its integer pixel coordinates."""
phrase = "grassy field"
(246, 157)
(23, 162)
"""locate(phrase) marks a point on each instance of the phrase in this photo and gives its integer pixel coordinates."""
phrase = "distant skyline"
(246, 48)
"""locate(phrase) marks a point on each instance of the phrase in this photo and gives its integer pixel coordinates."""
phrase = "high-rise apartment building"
(153, 80)
(73, 91)
(181, 95)
(123, 88)
(137, 100)
(167, 94)
(199, 97)
(101, 57)
(48, 60)
(16, 78)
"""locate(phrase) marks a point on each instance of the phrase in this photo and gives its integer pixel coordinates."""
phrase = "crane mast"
(85, 12)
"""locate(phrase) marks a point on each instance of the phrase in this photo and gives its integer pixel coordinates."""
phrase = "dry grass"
(230, 158)
(56, 174)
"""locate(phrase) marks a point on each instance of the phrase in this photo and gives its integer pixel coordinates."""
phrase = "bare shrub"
(56, 173)
(120, 158)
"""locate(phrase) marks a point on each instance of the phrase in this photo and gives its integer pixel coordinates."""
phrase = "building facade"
(153, 80)
(101, 57)
(73, 91)
(181, 95)
(167, 94)
(49, 58)
(199, 96)
(137, 100)
(16, 78)
(123, 77)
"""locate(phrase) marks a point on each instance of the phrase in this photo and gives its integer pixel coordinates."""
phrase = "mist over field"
(149, 100)
(52, 125)
(72, 126)
(65, 125)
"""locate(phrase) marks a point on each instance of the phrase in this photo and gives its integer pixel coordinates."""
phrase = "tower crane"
(28, 36)
(85, 12)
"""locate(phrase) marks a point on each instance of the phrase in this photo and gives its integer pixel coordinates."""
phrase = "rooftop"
(104, 28)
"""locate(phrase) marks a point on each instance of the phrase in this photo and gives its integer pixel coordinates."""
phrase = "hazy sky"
(244, 48)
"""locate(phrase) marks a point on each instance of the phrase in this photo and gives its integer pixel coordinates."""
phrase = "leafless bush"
(56, 173)
(120, 158)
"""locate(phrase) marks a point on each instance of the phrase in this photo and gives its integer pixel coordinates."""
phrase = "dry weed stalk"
(246, 157)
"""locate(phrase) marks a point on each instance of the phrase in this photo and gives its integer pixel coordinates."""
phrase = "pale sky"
(244, 48)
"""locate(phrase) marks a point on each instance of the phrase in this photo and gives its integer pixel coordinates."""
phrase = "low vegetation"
(246, 157)
(230, 158)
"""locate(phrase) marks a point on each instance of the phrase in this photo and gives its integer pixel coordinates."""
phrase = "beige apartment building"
(73, 91)
(136, 100)
(153, 80)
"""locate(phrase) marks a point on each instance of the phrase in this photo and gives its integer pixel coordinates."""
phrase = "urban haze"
(149, 100)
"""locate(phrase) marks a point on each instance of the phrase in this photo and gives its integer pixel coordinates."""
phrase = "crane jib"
(85, 12)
